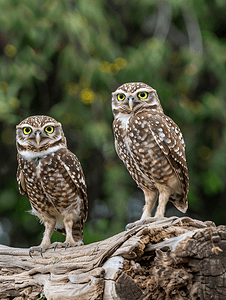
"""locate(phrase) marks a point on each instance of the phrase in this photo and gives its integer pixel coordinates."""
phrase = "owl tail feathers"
(77, 231)
(180, 203)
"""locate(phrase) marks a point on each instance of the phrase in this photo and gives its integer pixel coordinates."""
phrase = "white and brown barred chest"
(48, 185)
(138, 149)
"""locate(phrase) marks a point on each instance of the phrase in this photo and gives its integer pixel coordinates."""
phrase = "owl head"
(39, 134)
(130, 98)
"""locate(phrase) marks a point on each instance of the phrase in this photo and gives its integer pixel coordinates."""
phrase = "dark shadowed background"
(64, 58)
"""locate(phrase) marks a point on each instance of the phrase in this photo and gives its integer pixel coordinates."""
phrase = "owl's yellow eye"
(27, 130)
(49, 129)
(142, 95)
(121, 97)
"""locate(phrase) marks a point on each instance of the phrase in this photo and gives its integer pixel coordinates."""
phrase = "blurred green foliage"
(63, 58)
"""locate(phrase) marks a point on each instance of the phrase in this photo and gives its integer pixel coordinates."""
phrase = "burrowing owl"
(151, 146)
(52, 178)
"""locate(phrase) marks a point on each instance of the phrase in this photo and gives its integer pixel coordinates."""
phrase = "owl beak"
(131, 103)
(37, 137)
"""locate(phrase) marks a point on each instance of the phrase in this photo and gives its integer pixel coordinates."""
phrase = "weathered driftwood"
(168, 259)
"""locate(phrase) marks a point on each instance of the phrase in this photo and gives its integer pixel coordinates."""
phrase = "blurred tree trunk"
(175, 258)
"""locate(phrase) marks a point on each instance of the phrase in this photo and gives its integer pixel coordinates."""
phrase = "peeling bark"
(174, 258)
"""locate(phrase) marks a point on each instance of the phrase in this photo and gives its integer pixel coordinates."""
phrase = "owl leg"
(164, 194)
(68, 225)
(69, 222)
(46, 240)
(150, 198)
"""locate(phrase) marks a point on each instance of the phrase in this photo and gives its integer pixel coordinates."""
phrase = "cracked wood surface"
(173, 258)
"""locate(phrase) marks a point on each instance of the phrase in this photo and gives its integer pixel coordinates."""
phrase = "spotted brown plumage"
(151, 146)
(51, 177)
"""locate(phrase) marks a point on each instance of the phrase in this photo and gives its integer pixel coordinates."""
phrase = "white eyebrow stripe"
(142, 89)
(24, 125)
(119, 92)
(33, 127)
(51, 124)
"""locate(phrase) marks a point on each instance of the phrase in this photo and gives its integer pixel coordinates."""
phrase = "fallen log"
(173, 258)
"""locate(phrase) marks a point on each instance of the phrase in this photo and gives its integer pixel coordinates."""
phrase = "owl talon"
(127, 227)
(55, 246)
(68, 244)
(173, 221)
(131, 226)
(41, 251)
(38, 249)
(143, 222)
(75, 244)
(30, 250)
